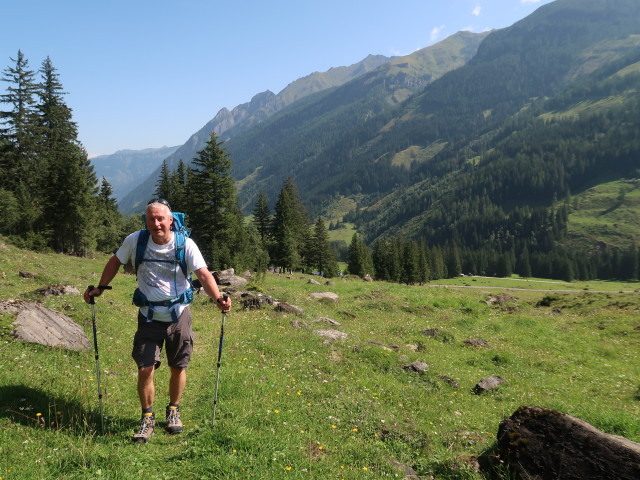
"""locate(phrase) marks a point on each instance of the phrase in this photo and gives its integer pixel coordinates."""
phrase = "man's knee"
(146, 372)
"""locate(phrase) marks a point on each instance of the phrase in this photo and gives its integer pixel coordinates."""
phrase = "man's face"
(159, 220)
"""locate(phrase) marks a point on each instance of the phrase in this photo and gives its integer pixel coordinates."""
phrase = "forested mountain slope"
(535, 58)
(532, 126)
(311, 111)
(297, 141)
(542, 110)
(551, 150)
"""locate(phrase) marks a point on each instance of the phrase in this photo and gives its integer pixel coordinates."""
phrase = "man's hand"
(224, 303)
(92, 291)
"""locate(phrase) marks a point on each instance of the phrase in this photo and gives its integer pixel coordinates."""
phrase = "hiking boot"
(174, 424)
(145, 431)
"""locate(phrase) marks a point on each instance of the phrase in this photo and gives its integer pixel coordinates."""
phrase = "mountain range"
(479, 124)
(124, 168)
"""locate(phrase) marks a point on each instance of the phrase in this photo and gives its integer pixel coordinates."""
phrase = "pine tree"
(629, 268)
(9, 220)
(178, 182)
(290, 228)
(423, 262)
(262, 217)
(439, 268)
(454, 265)
(359, 258)
(110, 232)
(322, 257)
(71, 185)
(164, 187)
(380, 259)
(214, 214)
(19, 126)
(524, 263)
(410, 266)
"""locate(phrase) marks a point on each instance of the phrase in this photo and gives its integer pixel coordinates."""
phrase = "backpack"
(180, 234)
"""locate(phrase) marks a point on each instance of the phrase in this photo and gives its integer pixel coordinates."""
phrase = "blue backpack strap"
(141, 247)
(180, 242)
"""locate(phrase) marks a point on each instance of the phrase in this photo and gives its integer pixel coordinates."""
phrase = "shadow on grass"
(36, 408)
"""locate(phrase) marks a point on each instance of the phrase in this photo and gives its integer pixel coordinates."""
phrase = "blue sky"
(149, 73)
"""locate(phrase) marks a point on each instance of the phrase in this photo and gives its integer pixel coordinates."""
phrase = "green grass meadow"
(291, 406)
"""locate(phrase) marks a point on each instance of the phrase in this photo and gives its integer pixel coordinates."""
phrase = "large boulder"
(35, 323)
(228, 278)
(542, 444)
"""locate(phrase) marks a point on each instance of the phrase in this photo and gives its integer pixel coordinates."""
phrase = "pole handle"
(102, 289)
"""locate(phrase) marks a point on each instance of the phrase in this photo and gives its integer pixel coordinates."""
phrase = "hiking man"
(162, 295)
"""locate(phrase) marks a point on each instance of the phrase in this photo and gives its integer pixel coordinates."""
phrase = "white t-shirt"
(160, 281)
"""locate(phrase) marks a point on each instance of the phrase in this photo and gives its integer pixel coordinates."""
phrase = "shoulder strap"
(141, 247)
(180, 240)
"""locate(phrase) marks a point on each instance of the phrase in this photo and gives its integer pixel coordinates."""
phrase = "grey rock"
(332, 297)
(288, 308)
(35, 323)
(488, 383)
(416, 366)
(331, 336)
(328, 320)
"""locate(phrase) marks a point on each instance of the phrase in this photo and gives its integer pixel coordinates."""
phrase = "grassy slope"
(291, 406)
(600, 214)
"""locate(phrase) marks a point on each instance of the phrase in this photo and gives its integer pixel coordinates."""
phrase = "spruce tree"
(423, 262)
(164, 187)
(322, 256)
(380, 258)
(71, 185)
(214, 214)
(178, 182)
(290, 228)
(262, 217)
(359, 258)
(110, 232)
(18, 129)
(454, 265)
(410, 265)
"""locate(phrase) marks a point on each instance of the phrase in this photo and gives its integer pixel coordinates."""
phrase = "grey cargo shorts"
(152, 336)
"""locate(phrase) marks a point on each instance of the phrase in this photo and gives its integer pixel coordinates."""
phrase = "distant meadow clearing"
(293, 404)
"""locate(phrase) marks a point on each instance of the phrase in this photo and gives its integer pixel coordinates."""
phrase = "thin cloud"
(435, 33)
(476, 11)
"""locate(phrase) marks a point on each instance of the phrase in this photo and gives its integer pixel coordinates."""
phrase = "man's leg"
(176, 384)
(146, 387)
(146, 392)
(176, 387)
(147, 344)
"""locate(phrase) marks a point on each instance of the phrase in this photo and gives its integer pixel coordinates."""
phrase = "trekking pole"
(215, 396)
(92, 301)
